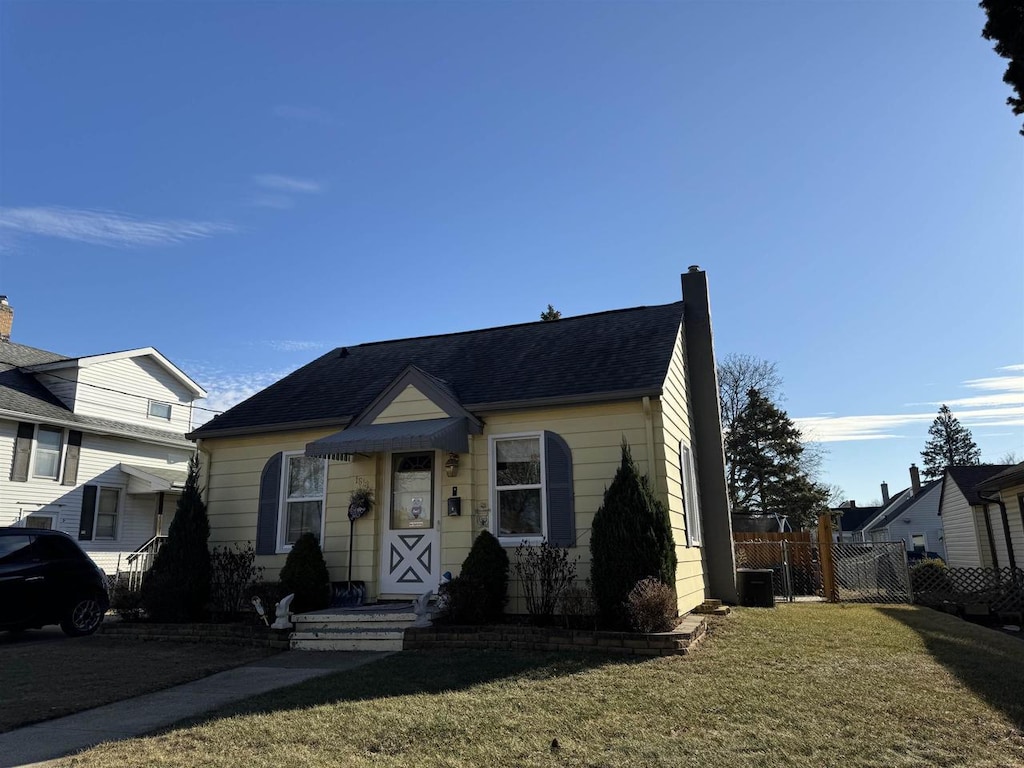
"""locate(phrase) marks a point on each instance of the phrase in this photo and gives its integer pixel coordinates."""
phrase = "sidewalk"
(35, 744)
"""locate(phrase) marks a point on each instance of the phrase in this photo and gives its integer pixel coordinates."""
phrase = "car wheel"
(83, 618)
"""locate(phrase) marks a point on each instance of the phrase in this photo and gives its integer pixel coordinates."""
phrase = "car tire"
(83, 617)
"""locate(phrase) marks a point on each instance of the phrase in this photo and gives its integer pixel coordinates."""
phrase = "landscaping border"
(228, 634)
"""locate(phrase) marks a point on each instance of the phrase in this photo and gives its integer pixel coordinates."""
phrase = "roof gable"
(907, 505)
(425, 397)
(967, 478)
(151, 352)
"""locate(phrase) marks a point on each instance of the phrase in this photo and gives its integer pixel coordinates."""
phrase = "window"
(920, 543)
(517, 469)
(412, 490)
(304, 485)
(107, 502)
(42, 522)
(691, 496)
(15, 550)
(47, 459)
(159, 410)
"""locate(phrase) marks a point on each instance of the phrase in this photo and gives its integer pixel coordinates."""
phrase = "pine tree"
(550, 314)
(631, 540)
(765, 451)
(950, 444)
(177, 587)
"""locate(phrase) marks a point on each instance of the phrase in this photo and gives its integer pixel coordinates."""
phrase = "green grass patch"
(43, 676)
(803, 685)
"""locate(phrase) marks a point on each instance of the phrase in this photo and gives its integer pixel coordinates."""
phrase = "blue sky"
(245, 186)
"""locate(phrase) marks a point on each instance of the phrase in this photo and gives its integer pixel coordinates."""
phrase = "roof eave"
(98, 429)
(258, 429)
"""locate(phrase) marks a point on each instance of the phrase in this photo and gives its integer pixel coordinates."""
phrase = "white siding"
(121, 390)
(62, 383)
(98, 465)
(962, 536)
(923, 517)
(1012, 498)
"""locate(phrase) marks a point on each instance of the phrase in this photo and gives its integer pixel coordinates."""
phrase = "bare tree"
(737, 375)
(1010, 457)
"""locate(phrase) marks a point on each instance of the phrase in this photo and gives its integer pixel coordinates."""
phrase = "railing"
(141, 560)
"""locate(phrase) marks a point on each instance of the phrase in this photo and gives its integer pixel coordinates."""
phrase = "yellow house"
(516, 430)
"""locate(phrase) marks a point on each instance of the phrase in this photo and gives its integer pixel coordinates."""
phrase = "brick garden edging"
(518, 637)
(228, 634)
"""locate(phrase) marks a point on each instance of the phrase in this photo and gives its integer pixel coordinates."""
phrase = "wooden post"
(828, 574)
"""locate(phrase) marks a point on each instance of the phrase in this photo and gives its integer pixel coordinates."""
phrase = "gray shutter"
(22, 452)
(71, 458)
(270, 500)
(88, 518)
(560, 498)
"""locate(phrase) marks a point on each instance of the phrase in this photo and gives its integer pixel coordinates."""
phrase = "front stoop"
(363, 629)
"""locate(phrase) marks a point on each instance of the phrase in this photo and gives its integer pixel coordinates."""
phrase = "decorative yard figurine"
(281, 613)
(257, 604)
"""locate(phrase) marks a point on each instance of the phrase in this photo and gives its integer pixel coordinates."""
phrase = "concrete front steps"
(366, 628)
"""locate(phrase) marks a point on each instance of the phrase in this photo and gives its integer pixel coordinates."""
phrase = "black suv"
(45, 578)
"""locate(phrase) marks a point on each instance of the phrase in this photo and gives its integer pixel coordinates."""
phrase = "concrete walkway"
(36, 744)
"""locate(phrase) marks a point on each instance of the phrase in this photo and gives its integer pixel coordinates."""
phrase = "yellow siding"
(672, 425)
(410, 405)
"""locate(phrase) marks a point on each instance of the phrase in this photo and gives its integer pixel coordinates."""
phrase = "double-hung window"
(517, 469)
(48, 447)
(691, 496)
(108, 502)
(303, 489)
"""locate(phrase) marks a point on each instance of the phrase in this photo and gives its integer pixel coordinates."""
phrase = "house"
(977, 507)
(850, 519)
(95, 446)
(516, 430)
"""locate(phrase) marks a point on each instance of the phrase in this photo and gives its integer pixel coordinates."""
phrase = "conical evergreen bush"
(487, 564)
(631, 540)
(305, 574)
(177, 587)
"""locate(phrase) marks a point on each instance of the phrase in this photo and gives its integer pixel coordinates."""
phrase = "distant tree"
(550, 314)
(737, 375)
(1005, 26)
(1010, 457)
(768, 477)
(950, 444)
(177, 587)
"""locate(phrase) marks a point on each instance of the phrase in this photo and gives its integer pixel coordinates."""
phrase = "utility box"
(755, 587)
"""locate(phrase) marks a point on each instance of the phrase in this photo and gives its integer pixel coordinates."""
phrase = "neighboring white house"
(974, 523)
(93, 446)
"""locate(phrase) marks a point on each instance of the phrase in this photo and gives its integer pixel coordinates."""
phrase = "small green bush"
(487, 563)
(305, 574)
(464, 599)
(651, 606)
(124, 601)
(929, 576)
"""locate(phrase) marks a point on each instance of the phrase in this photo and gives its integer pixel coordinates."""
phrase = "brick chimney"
(915, 480)
(6, 319)
(885, 493)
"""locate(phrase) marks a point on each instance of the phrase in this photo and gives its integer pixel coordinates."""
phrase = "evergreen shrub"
(305, 574)
(487, 563)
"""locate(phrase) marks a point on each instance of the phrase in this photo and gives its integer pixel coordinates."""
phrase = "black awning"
(444, 434)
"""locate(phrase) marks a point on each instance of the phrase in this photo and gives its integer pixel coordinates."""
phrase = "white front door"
(411, 560)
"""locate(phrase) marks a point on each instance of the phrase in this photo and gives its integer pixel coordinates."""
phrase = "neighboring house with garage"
(93, 446)
(976, 516)
(516, 430)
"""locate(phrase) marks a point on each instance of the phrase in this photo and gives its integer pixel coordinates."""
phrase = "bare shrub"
(651, 606)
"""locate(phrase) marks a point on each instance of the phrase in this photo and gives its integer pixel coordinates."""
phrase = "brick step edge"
(225, 634)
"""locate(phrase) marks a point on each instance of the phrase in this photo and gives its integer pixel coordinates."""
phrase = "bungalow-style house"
(516, 430)
(849, 519)
(93, 446)
(977, 507)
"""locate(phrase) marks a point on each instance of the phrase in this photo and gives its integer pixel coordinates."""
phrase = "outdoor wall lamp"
(451, 465)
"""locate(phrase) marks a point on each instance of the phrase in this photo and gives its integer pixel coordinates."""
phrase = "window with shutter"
(269, 505)
(691, 496)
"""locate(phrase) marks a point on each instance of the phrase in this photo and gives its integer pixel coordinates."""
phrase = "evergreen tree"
(949, 445)
(550, 314)
(631, 540)
(177, 587)
(768, 474)
(306, 576)
(487, 563)
(1005, 26)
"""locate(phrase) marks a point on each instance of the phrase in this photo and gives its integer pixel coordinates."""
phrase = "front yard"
(804, 685)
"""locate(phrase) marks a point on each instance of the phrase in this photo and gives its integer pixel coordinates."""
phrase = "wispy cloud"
(287, 183)
(226, 389)
(303, 114)
(105, 227)
(999, 404)
(279, 202)
(294, 346)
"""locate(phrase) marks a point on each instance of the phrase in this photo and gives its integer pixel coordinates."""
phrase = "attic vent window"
(159, 410)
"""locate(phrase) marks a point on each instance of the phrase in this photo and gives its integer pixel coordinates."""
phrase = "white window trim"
(52, 517)
(60, 452)
(492, 472)
(151, 415)
(282, 503)
(119, 520)
(691, 495)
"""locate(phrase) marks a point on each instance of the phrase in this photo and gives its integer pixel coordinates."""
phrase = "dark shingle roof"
(591, 355)
(1012, 475)
(854, 517)
(967, 478)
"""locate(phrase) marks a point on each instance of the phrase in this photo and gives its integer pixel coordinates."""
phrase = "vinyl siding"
(1012, 499)
(410, 405)
(924, 519)
(963, 534)
(62, 383)
(671, 414)
(98, 465)
(121, 390)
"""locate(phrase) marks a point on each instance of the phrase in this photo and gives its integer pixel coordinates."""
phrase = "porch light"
(451, 465)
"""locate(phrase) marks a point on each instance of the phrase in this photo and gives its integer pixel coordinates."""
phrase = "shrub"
(464, 599)
(177, 587)
(232, 571)
(578, 608)
(651, 606)
(631, 539)
(929, 576)
(305, 574)
(124, 601)
(487, 563)
(545, 572)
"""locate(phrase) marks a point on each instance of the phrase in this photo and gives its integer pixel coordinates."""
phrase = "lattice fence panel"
(1001, 589)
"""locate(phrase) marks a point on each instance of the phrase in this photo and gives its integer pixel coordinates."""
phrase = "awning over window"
(153, 479)
(444, 434)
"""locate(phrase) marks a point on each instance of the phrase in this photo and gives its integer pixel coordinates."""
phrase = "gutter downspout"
(1006, 529)
(991, 538)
